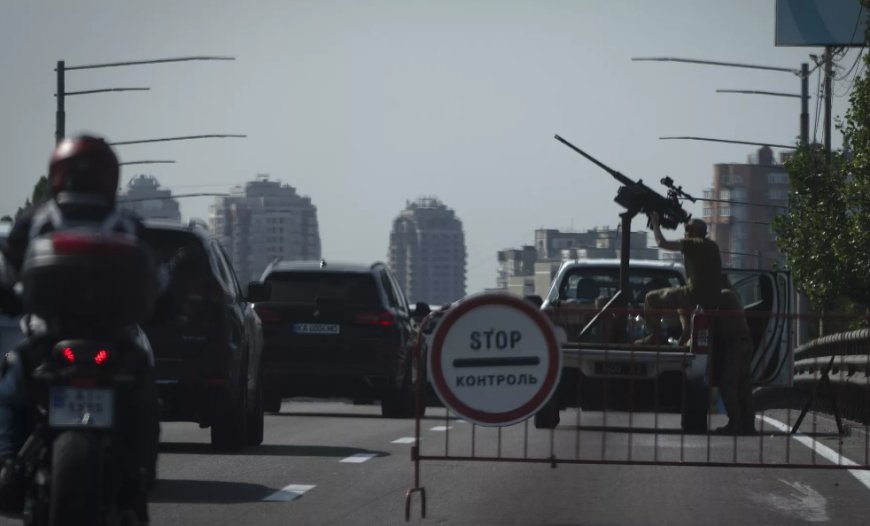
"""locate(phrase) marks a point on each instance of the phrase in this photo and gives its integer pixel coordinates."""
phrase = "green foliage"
(40, 191)
(825, 233)
(810, 232)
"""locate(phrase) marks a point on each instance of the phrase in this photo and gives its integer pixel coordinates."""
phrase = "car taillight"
(101, 357)
(267, 315)
(379, 319)
(701, 336)
(69, 355)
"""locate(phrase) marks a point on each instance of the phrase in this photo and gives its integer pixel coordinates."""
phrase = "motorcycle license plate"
(78, 407)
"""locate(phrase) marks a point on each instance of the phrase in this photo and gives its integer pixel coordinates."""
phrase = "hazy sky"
(364, 105)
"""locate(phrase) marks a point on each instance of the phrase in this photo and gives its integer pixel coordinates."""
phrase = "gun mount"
(637, 197)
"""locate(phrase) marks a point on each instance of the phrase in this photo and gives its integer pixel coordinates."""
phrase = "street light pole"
(182, 138)
(62, 68)
(803, 73)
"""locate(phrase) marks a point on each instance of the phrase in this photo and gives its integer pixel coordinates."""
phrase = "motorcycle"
(89, 375)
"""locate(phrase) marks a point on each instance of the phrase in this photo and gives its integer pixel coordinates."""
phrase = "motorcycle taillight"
(69, 355)
(70, 243)
(101, 357)
(80, 352)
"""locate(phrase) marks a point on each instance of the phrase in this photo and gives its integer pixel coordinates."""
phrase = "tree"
(40, 194)
(825, 234)
(40, 191)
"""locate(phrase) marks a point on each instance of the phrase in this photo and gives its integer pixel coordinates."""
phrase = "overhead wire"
(857, 74)
(857, 58)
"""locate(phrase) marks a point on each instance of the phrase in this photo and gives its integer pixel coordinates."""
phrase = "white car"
(604, 369)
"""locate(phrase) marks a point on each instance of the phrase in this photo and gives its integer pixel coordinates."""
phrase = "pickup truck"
(603, 369)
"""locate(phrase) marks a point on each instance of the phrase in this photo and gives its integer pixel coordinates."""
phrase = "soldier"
(703, 272)
(732, 353)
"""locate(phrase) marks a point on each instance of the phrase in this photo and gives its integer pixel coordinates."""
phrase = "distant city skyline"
(345, 100)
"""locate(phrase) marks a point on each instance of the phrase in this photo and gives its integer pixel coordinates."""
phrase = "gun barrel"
(619, 177)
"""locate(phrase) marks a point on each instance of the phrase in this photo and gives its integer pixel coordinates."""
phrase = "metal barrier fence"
(637, 421)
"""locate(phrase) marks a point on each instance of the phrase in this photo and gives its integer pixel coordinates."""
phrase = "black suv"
(206, 337)
(337, 331)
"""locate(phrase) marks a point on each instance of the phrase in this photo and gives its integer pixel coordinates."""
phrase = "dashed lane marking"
(440, 428)
(359, 457)
(288, 493)
(405, 440)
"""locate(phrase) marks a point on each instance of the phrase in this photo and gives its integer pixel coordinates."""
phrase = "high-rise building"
(262, 221)
(144, 197)
(747, 198)
(515, 262)
(427, 252)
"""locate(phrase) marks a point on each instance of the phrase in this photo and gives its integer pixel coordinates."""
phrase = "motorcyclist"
(83, 176)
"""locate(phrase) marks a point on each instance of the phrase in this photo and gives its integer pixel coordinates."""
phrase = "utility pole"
(829, 74)
(60, 114)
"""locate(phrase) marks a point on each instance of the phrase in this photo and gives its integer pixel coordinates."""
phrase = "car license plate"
(620, 368)
(77, 407)
(316, 328)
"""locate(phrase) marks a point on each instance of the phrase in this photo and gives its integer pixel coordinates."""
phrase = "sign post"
(494, 359)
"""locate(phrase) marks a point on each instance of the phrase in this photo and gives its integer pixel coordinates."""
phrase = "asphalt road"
(333, 463)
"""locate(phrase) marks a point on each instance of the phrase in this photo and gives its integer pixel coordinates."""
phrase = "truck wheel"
(696, 405)
(75, 476)
(548, 416)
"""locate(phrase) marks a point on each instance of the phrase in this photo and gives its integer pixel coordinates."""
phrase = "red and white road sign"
(494, 359)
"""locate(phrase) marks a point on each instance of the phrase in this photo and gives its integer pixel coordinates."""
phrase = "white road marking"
(288, 493)
(802, 503)
(405, 440)
(359, 457)
(829, 454)
(441, 428)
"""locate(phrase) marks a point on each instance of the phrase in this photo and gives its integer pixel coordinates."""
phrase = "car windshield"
(586, 284)
(308, 287)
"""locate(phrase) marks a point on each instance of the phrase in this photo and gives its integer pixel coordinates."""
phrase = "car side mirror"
(258, 291)
(421, 310)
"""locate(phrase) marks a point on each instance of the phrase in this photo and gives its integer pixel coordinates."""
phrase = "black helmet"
(84, 164)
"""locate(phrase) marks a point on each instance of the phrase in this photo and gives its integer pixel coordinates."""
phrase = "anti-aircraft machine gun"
(636, 198)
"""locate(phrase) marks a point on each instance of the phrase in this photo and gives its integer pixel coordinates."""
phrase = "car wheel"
(271, 403)
(399, 402)
(696, 405)
(255, 418)
(229, 429)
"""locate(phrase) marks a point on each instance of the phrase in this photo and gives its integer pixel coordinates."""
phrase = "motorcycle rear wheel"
(75, 480)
